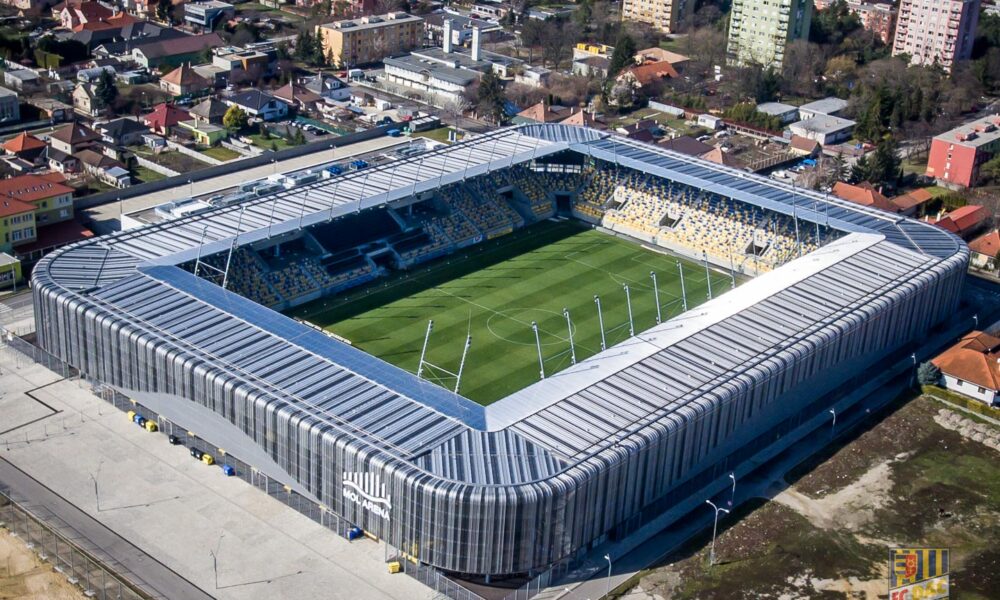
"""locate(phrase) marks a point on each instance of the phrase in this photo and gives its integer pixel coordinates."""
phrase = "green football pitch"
(495, 290)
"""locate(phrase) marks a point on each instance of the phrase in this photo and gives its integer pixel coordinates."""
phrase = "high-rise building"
(662, 14)
(936, 31)
(760, 30)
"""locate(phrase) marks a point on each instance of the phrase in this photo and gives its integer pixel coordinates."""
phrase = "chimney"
(475, 43)
(446, 42)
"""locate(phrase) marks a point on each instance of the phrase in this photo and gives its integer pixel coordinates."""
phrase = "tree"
(235, 119)
(491, 102)
(882, 168)
(623, 56)
(928, 374)
(106, 91)
(298, 138)
(163, 10)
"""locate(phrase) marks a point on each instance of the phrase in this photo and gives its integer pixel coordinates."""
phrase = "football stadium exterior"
(589, 454)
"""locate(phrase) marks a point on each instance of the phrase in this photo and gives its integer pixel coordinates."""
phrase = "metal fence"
(79, 567)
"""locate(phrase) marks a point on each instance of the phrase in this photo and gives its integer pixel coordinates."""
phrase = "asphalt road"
(115, 551)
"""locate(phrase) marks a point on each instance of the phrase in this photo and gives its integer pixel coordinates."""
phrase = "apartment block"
(665, 15)
(956, 155)
(760, 30)
(936, 32)
(354, 42)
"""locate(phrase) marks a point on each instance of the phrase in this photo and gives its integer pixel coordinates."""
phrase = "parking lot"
(174, 507)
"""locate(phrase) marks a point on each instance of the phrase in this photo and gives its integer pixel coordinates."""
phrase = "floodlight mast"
(600, 322)
(538, 343)
(708, 274)
(628, 302)
(656, 297)
(461, 365)
(569, 328)
(423, 351)
(684, 297)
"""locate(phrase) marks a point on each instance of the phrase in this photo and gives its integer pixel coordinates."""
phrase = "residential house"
(183, 81)
(164, 118)
(911, 202)
(26, 147)
(78, 13)
(298, 96)
(964, 221)
(541, 113)
(85, 101)
(656, 54)
(685, 144)
(259, 104)
(645, 75)
(73, 137)
(121, 132)
(238, 66)
(536, 77)
(803, 146)
(864, 194)
(52, 109)
(104, 168)
(786, 113)
(127, 39)
(582, 118)
(720, 157)
(10, 110)
(175, 51)
(210, 110)
(665, 15)
(972, 367)
(984, 250)
(591, 66)
(327, 86)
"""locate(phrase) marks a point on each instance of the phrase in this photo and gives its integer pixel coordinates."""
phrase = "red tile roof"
(540, 113)
(184, 75)
(74, 133)
(23, 143)
(31, 188)
(864, 194)
(913, 198)
(973, 359)
(10, 207)
(166, 115)
(988, 244)
(650, 72)
(964, 219)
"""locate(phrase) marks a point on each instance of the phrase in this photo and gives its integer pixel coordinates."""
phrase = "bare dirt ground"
(921, 477)
(24, 577)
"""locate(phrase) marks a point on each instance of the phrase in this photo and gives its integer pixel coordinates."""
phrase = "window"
(982, 390)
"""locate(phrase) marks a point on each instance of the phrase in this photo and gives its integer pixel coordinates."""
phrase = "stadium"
(708, 313)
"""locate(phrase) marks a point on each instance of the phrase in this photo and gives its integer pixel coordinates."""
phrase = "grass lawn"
(221, 153)
(439, 135)
(182, 163)
(497, 289)
(260, 142)
(147, 175)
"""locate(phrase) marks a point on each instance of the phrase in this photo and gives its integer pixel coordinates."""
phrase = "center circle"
(514, 325)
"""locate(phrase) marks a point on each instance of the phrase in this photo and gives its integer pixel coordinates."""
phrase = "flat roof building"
(369, 39)
(956, 155)
(825, 129)
(832, 106)
(786, 112)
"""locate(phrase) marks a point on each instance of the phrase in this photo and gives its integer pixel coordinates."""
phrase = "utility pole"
(715, 529)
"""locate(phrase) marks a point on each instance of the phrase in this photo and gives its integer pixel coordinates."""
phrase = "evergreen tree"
(491, 100)
(163, 10)
(623, 56)
(106, 91)
(928, 374)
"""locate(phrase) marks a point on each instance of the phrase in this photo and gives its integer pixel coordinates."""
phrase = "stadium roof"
(643, 383)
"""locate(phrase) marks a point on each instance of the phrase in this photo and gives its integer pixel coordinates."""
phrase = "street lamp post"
(715, 529)
(732, 497)
(833, 425)
(607, 593)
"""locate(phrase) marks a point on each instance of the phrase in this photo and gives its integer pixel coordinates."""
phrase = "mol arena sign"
(918, 573)
(367, 491)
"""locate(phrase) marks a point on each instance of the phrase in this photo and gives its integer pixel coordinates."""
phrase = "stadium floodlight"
(538, 343)
(656, 296)
(708, 274)
(628, 302)
(201, 244)
(569, 328)
(302, 211)
(684, 297)
(333, 200)
(732, 269)
(423, 352)
(833, 411)
(600, 322)
(270, 220)
(232, 247)
(364, 186)
(461, 364)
